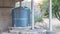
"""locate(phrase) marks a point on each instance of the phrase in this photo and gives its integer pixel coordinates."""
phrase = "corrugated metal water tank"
(21, 17)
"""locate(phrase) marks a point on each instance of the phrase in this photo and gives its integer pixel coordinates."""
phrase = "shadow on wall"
(5, 19)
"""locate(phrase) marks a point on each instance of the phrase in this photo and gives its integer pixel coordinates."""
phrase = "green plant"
(38, 19)
(55, 8)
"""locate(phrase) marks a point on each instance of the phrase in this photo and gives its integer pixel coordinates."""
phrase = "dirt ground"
(45, 24)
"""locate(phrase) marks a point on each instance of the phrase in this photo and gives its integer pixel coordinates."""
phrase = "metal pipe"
(32, 9)
(50, 16)
(20, 3)
(14, 3)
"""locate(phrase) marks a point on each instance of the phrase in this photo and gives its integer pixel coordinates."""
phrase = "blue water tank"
(21, 17)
